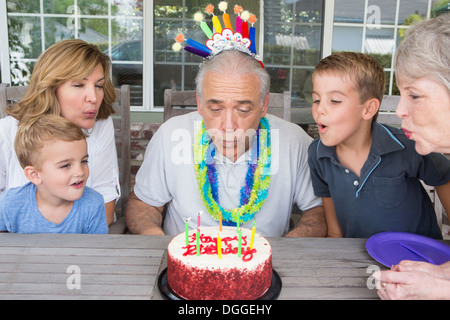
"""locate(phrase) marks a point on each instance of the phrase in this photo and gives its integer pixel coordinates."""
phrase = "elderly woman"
(72, 79)
(422, 69)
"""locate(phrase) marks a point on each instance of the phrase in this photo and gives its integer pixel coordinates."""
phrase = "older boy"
(53, 153)
(367, 173)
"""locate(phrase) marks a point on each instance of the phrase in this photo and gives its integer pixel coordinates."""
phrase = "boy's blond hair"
(366, 74)
(34, 133)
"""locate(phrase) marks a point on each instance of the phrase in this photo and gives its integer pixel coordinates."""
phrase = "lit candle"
(253, 234)
(186, 226)
(220, 221)
(219, 246)
(198, 220)
(198, 243)
(239, 243)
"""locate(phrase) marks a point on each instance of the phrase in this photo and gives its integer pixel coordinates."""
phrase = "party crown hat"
(224, 38)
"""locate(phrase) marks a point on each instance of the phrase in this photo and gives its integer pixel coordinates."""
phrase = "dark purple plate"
(389, 248)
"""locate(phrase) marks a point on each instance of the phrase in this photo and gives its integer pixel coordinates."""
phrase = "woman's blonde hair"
(34, 133)
(64, 61)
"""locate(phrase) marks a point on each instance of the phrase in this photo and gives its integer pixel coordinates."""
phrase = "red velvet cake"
(229, 277)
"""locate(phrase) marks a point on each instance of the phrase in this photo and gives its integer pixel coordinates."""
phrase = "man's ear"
(265, 106)
(371, 108)
(32, 174)
(199, 104)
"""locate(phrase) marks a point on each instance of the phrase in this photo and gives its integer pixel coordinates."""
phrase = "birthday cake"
(239, 272)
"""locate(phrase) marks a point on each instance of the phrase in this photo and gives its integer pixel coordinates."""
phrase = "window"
(376, 27)
(114, 26)
(292, 36)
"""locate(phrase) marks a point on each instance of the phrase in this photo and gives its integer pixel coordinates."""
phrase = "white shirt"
(167, 175)
(103, 166)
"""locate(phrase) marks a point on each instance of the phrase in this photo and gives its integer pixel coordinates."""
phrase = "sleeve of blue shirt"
(434, 169)
(97, 220)
(3, 213)
(320, 186)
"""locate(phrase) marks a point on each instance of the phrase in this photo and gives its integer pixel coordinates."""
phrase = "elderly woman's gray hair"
(236, 63)
(425, 51)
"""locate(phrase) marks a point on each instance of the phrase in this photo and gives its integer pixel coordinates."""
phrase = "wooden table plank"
(128, 266)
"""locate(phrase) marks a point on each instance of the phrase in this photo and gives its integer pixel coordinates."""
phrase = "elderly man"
(230, 160)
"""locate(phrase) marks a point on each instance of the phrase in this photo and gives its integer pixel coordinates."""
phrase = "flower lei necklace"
(253, 193)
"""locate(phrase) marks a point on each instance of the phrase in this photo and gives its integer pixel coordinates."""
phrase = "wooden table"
(49, 266)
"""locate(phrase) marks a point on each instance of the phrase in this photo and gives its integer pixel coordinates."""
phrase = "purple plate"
(389, 248)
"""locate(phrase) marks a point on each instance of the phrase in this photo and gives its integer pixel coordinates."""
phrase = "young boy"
(367, 173)
(53, 153)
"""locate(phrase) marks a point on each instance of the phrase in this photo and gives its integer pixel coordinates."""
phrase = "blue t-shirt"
(388, 195)
(19, 213)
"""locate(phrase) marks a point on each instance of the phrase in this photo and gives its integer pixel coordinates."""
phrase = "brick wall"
(141, 133)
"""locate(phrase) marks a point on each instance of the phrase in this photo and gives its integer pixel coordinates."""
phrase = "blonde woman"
(72, 79)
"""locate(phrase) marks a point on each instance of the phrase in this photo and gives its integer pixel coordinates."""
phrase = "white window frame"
(148, 20)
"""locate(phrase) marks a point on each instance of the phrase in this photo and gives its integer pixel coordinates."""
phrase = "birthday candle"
(239, 24)
(220, 221)
(216, 23)
(219, 247)
(198, 220)
(245, 15)
(196, 51)
(187, 230)
(206, 29)
(237, 11)
(198, 16)
(238, 223)
(252, 34)
(253, 234)
(198, 45)
(215, 19)
(198, 243)
(223, 6)
(239, 243)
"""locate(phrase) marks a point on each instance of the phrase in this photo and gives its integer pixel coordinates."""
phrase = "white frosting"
(177, 247)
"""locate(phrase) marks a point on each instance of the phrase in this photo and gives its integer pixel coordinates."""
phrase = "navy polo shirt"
(388, 196)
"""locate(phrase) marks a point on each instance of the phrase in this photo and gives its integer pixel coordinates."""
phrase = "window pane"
(24, 37)
(166, 77)
(302, 88)
(127, 56)
(128, 8)
(57, 29)
(292, 41)
(20, 6)
(347, 38)
(381, 12)
(93, 7)
(351, 11)
(412, 10)
(59, 6)
(380, 44)
(306, 43)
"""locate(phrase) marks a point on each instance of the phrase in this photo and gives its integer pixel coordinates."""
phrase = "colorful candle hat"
(224, 38)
